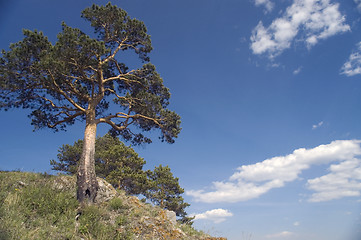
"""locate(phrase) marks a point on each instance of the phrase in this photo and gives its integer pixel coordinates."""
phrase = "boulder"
(171, 216)
(105, 192)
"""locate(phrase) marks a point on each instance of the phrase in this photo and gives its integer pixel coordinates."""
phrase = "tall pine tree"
(80, 77)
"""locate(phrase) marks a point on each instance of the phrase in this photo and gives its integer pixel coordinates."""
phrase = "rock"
(66, 183)
(22, 183)
(171, 216)
(105, 192)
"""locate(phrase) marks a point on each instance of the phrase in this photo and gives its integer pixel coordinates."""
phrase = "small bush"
(122, 220)
(90, 220)
(116, 204)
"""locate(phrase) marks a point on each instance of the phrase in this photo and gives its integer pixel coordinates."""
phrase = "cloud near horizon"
(252, 181)
(314, 19)
(216, 215)
(283, 234)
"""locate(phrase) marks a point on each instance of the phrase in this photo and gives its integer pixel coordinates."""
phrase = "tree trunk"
(87, 184)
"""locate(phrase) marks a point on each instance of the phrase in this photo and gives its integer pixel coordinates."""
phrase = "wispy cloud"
(252, 181)
(317, 125)
(297, 71)
(353, 65)
(268, 4)
(358, 3)
(216, 215)
(315, 19)
(283, 234)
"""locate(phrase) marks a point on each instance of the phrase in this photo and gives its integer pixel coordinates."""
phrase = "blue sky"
(270, 98)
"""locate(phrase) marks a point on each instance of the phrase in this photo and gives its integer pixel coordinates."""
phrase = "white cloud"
(296, 224)
(280, 235)
(344, 180)
(251, 181)
(358, 3)
(266, 3)
(317, 125)
(216, 215)
(315, 19)
(353, 65)
(297, 71)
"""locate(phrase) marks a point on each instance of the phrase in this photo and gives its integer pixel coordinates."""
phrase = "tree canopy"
(81, 77)
(61, 82)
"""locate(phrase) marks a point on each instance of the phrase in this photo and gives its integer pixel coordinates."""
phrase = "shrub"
(116, 204)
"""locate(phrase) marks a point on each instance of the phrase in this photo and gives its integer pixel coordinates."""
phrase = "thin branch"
(127, 116)
(156, 121)
(64, 94)
(71, 117)
(77, 93)
(115, 51)
(123, 77)
(55, 106)
(115, 93)
(118, 67)
(92, 68)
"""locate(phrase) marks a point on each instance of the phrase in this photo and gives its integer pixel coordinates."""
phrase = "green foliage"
(122, 220)
(118, 164)
(116, 204)
(80, 77)
(113, 25)
(165, 190)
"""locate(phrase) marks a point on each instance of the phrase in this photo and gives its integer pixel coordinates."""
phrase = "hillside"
(41, 206)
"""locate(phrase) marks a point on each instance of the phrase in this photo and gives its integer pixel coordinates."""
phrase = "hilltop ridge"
(42, 206)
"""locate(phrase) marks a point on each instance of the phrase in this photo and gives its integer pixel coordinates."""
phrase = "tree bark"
(87, 184)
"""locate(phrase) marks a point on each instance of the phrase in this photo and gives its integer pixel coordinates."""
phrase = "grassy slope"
(32, 207)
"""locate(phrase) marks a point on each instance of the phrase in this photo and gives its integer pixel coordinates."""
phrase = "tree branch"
(127, 117)
(122, 76)
(70, 117)
(73, 89)
(114, 92)
(59, 90)
(56, 106)
(115, 51)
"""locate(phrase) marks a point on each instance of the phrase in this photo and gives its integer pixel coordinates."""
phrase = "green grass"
(32, 206)
(32, 209)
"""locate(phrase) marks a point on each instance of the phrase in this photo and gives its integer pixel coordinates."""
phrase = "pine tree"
(165, 190)
(83, 78)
